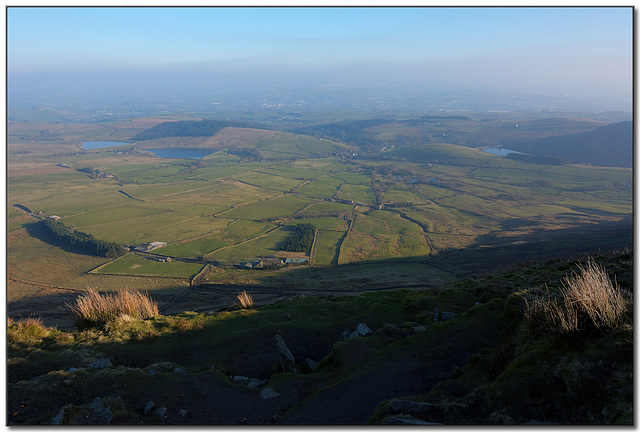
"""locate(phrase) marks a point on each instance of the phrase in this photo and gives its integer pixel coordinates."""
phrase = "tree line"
(80, 241)
(190, 128)
(301, 240)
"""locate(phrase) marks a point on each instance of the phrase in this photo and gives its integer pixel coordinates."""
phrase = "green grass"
(273, 208)
(327, 247)
(136, 265)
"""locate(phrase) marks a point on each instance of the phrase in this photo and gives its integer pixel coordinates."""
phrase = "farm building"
(148, 247)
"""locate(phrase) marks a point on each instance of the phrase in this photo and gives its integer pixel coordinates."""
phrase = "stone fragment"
(101, 363)
(255, 383)
(269, 393)
(311, 363)
(287, 361)
(239, 379)
(179, 371)
(149, 406)
(345, 335)
(362, 330)
(160, 412)
(72, 370)
(59, 418)
(416, 327)
(182, 412)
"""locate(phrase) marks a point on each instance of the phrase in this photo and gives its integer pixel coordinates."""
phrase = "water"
(181, 153)
(500, 151)
(90, 145)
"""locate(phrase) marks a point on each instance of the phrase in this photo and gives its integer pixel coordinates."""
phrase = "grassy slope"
(480, 359)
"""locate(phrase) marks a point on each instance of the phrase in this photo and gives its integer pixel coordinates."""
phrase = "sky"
(548, 49)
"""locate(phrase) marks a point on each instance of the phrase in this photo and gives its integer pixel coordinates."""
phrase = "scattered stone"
(416, 327)
(345, 335)
(287, 361)
(408, 421)
(160, 412)
(183, 412)
(149, 406)
(179, 371)
(152, 371)
(212, 367)
(72, 370)
(289, 316)
(311, 363)
(275, 418)
(447, 316)
(101, 363)
(255, 383)
(57, 420)
(442, 316)
(101, 414)
(425, 409)
(362, 330)
(243, 420)
(269, 393)
(239, 379)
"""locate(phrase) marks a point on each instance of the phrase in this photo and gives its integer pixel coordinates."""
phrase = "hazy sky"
(544, 49)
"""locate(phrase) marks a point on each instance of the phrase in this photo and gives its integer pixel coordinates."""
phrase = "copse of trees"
(301, 240)
(80, 241)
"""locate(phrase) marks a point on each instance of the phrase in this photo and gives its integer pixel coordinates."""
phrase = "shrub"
(246, 302)
(93, 309)
(586, 301)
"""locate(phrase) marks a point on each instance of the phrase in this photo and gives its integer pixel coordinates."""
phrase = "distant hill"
(188, 128)
(610, 145)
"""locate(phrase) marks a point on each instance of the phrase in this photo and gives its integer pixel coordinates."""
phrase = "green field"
(136, 265)
(427, 198)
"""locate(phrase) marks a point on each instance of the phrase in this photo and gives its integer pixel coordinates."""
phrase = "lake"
(180, 153)
(499, 151)
(90, 145)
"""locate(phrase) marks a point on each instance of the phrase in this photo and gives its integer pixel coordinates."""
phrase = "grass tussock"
(93, 309)
(26, 329)
(586, 301)
(246, 301)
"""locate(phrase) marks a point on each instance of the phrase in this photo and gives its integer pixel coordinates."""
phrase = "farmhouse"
(54, 217)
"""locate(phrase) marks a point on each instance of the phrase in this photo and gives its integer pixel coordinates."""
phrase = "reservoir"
(181, 153)
(90, 145)
(499, 151)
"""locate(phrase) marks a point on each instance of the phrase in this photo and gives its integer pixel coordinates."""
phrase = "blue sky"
(545, 48)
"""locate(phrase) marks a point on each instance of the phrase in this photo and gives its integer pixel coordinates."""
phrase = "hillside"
(188, 128)
(470, 352)
(610, 145)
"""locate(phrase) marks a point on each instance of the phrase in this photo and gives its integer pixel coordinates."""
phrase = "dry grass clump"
(26, 329)
(588, 300)
(246, 302)
(94, 309)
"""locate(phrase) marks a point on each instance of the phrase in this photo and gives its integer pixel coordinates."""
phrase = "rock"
(101, 414)
(183, 412)
(436, 315)
(408, 421)
(239, 379)
(160, 412)
(101, 363)
(287, 361)
(447, 316)
(179, 371)
(72, 370)
(416, 327)
(345, 335)
(149, 406)
(152, 371)
(212, 367)
(255, 383)
(59, 418)
(311, 363)
(477, 303)
(269, 393)
(275, 418)
(362, 330)
(243, 420)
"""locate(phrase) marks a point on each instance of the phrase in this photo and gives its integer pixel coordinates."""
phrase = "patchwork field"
(408, 204)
